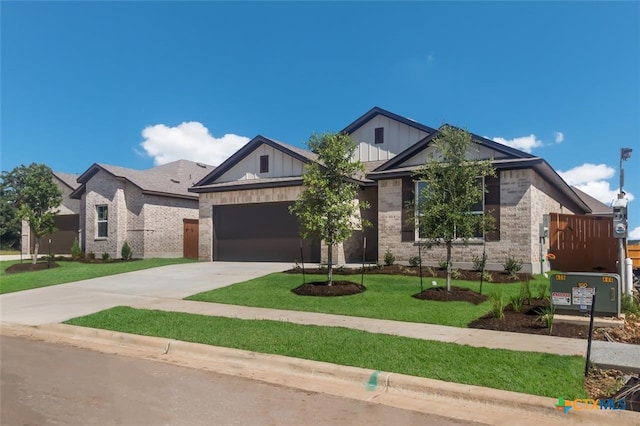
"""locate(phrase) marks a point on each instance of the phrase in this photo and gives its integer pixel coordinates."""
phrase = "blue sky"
(136, 84)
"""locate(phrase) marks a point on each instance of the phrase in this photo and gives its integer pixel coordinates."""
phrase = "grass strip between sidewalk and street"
(387, 297)
(527, 372)
(68, 271)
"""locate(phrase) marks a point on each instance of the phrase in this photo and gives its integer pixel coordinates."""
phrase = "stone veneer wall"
(524, 198)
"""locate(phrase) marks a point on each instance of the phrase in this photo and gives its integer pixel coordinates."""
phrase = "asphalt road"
(48, 384)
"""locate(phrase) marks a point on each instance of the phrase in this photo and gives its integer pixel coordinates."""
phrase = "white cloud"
(634, 234)
(188, 141)
(558, 137)
(587, 173)
(523, 143)
(592, 179)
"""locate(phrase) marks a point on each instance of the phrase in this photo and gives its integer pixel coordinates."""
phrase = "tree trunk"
(448, 266)
(35, 250)
(330, 265)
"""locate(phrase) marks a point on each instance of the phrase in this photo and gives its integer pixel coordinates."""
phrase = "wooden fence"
(582, 243)
(633, 251)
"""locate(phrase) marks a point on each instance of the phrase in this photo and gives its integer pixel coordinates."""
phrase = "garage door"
(62, 239)
(259, 232)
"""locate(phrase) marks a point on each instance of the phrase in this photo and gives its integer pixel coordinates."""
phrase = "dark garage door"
(62, 239)
(259, 232)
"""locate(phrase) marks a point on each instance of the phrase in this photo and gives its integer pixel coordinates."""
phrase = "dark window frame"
(264, 164)
(379, 135)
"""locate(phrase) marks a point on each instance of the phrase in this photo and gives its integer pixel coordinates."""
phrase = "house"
(151, 210)
(66, 221)
(244, 202)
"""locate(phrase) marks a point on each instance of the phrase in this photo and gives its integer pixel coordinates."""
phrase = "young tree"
(35, 195)
(326, 207)
(452, 189)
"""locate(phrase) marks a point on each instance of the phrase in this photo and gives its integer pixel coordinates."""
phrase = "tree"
(326, 208)
(35, 196)
(10, 226)
(451, 190)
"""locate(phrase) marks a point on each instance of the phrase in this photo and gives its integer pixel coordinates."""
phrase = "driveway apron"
(61, 302)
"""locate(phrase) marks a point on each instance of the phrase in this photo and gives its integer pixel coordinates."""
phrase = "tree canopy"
(35, 197)
(449, 203)
(326, 208)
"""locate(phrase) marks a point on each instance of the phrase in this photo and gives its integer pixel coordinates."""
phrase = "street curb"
(461, 401)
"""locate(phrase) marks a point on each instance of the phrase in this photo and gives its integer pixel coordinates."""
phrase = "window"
(476, 209)
(379, 138)
(102, 221)
(264, 164)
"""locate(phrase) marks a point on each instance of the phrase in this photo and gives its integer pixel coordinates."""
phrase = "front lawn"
(526, 372)
(387, 297)
(72, 271)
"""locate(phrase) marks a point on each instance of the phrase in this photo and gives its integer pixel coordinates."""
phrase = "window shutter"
(492, 204)
(407, 226)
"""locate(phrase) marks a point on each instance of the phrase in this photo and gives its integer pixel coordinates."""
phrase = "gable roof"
(367, 116)
(169, 180)
(427, 140)
(298, 153)
(69, 179)
(597, 207)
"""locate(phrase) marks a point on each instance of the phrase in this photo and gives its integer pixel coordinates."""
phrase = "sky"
(138, 84)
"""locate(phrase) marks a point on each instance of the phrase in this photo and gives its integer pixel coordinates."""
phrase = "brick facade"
(152, 225)
(524, 198)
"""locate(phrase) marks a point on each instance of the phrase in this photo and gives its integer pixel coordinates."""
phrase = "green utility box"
(572, 293)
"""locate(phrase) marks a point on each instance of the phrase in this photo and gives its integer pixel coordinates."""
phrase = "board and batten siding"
(477, 152)
(397, 138)
(280, 165)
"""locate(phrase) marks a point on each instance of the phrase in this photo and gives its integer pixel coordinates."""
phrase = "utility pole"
(620, 223)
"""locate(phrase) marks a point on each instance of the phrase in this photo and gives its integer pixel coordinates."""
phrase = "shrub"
(516, 303)
(479, 262)
(455, 273)
(126, 251)
(414, 261)
(542, 290)
(525, 292)
(512, 266)
(76, 251)
(430, 271)
(497, 304)
(389, 258)
(442, 264)
(487, 276)
(546, 315)
(630, 304)
(106, 257)
(91, 255)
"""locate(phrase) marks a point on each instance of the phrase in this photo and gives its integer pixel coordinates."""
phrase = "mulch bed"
(337, 288)
(414, 271)
(457, 294)
(24, 267)
(529, 321)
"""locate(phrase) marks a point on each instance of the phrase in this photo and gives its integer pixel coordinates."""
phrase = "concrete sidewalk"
(612, 355)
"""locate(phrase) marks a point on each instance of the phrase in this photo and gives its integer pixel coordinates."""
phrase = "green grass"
(387, 297)
(72, 271)
(527, 372)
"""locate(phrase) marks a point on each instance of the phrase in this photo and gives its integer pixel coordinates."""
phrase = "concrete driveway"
(61, 302)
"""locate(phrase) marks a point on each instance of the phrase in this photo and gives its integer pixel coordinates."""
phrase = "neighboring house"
(66, 221)
(149, 209)
(244, 202)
